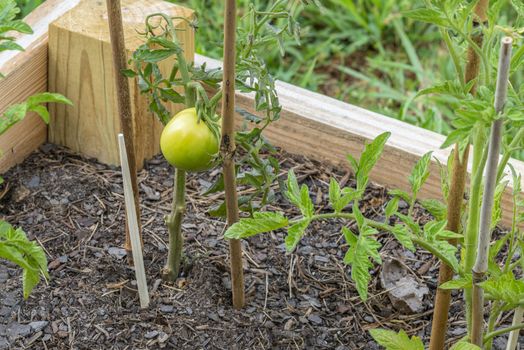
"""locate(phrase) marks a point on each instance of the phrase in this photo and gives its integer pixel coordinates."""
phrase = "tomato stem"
(174, 225)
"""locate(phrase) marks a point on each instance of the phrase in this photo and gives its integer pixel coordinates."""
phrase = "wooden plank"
(26, 74)
(81, 68)
(327, 129)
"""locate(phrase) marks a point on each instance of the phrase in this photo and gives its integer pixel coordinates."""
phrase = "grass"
(360, 51)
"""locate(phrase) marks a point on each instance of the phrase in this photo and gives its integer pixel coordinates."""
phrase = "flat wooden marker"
(132, 222)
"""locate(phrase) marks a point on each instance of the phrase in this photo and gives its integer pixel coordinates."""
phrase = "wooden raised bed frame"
(312, 124)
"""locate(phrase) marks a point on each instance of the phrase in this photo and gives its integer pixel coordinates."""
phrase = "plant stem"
(471, 235)
(454, 211)
(174, 226)
(227, 150)
(458, 182)
(501, 331)
(116, 32)
(514, 335)
(380, 226)
(481, 264)
(505, 157)
(493, 316)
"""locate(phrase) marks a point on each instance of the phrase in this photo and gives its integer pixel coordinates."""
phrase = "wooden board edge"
(327, 129)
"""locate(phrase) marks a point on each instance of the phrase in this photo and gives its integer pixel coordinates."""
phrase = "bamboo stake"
(132, 224)
(116, 32)
(514, 335)
(227, 150)
(439, 324)
(481, 263)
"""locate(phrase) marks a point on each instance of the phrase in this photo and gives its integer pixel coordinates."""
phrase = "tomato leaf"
(261, 222)
(396, 341)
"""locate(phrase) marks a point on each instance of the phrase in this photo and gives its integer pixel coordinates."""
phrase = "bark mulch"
(74, 207)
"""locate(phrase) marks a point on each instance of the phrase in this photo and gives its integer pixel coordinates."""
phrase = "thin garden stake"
(513, 338)
(227, 150)
(481, 263)
(456, 197)
(132, 224)
(116, 32)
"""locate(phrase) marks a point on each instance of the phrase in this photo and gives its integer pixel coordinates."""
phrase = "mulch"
(74, 207)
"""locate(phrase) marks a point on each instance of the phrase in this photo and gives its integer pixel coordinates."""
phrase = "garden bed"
(75, 208)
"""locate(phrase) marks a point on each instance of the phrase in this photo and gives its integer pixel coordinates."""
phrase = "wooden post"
(439, 323)
(133, 225)
(81, 68)
(227, 149)
(116, 31)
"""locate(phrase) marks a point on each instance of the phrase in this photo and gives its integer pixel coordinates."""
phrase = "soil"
(74, 207)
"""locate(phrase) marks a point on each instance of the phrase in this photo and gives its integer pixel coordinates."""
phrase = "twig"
(116, 32)
(481, 263)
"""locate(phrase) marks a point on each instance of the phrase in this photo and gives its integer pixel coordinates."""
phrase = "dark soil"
(305, 300)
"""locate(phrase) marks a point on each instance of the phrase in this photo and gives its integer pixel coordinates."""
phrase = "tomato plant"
(188, 143)
(475, 114)
(14, 244)
(194, 148)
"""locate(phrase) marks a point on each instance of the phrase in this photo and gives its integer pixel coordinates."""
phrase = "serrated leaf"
(295, 234)
(403, 235)
(361, 249)
(261, 222)
(435, 208)
(426, 15)
(504, 288)
(396, 341)
(459, 283)
(391, 207)
(368, 159)
(419, 174)
(464, 345)
(401, 194)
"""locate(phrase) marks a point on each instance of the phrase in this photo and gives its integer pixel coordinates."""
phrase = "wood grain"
(81, 68)
(26, 74)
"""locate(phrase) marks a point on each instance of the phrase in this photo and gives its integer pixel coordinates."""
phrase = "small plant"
(14, 245)
(475, 115)
(190, 140)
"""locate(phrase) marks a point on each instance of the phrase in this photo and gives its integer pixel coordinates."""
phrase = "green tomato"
(188, 144)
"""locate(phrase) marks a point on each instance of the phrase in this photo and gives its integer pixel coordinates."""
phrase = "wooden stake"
(132, 223)
(116, 31)
(481, 263)
(227, 150)
(439, 323)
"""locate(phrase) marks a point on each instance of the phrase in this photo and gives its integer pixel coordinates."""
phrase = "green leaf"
(427, 15)
(519, 7)
(10, 45)
(504, 288)
(435, 208)
(459, 283)
(419, 174)
(368, 159)
(47, 97)
(261, 222)
(403, 235)
(496, 214)
(391, 207)
(18, 26)
(361, 249)
(42, 112)
(295, 234)
(12, 115)
(396, 341)
(464, 345)
(401, 194)
(299, 196)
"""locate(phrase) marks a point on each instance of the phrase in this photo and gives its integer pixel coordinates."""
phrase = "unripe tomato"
(188, 144)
